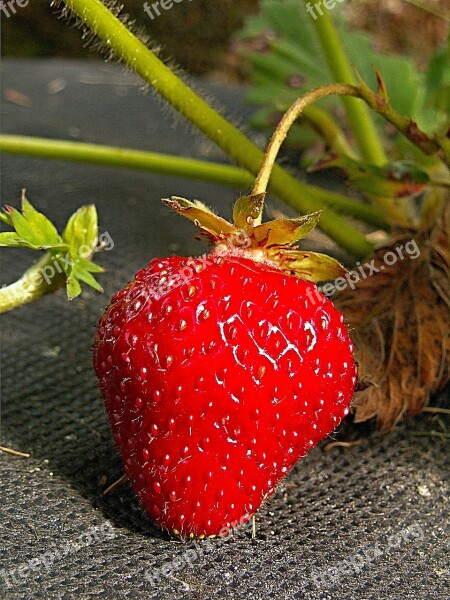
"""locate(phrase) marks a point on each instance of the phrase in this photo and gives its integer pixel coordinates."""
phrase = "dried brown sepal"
(284, 232)
(399, 320)
(311, 266)
(201, 215)
(276, 239)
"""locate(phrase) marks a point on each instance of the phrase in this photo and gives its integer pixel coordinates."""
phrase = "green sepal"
(81, 231)
(274, 238)
(88, 265)
(10, 239)
(77, 272)
(247, 210)
(86, 277)
(283, 232)
(73, 287)
(5, 217)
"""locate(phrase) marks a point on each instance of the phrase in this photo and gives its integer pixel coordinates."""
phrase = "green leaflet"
(72, 251)
(81, 231)
(33, 229)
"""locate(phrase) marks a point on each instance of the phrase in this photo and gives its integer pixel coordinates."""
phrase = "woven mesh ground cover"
(366, 522)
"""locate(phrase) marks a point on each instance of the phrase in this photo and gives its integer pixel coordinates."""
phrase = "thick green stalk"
(173, 166)
(116, 156)
(32, 285)
(358, 114)
(132, 51)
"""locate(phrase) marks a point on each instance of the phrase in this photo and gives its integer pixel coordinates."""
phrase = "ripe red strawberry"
(220, 372)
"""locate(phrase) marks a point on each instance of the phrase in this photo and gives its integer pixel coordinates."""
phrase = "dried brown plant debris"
(399, 319)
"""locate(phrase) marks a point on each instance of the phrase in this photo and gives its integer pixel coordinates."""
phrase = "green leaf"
(34, 227)
(81, 232)
(286, 61)
(438, 72)
(11, 239)
(5, 217)
(436, 94)
(72, 251)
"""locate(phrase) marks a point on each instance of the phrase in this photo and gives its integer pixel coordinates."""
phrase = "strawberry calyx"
(273, 242)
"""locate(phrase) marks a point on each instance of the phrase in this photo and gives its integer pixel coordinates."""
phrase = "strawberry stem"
(174, 166)
(392, 212)
(32, 285)
(283, 127)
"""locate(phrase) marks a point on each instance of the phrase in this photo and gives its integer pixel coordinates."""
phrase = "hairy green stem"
(436, 145)
(32, 285)
(289, 118)
(358, 115)
(142, 60)
(173, 166)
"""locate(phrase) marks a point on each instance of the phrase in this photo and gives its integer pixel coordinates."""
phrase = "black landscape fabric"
(369, 521)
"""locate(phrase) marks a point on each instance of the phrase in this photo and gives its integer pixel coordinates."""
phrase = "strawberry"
(220, 372)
